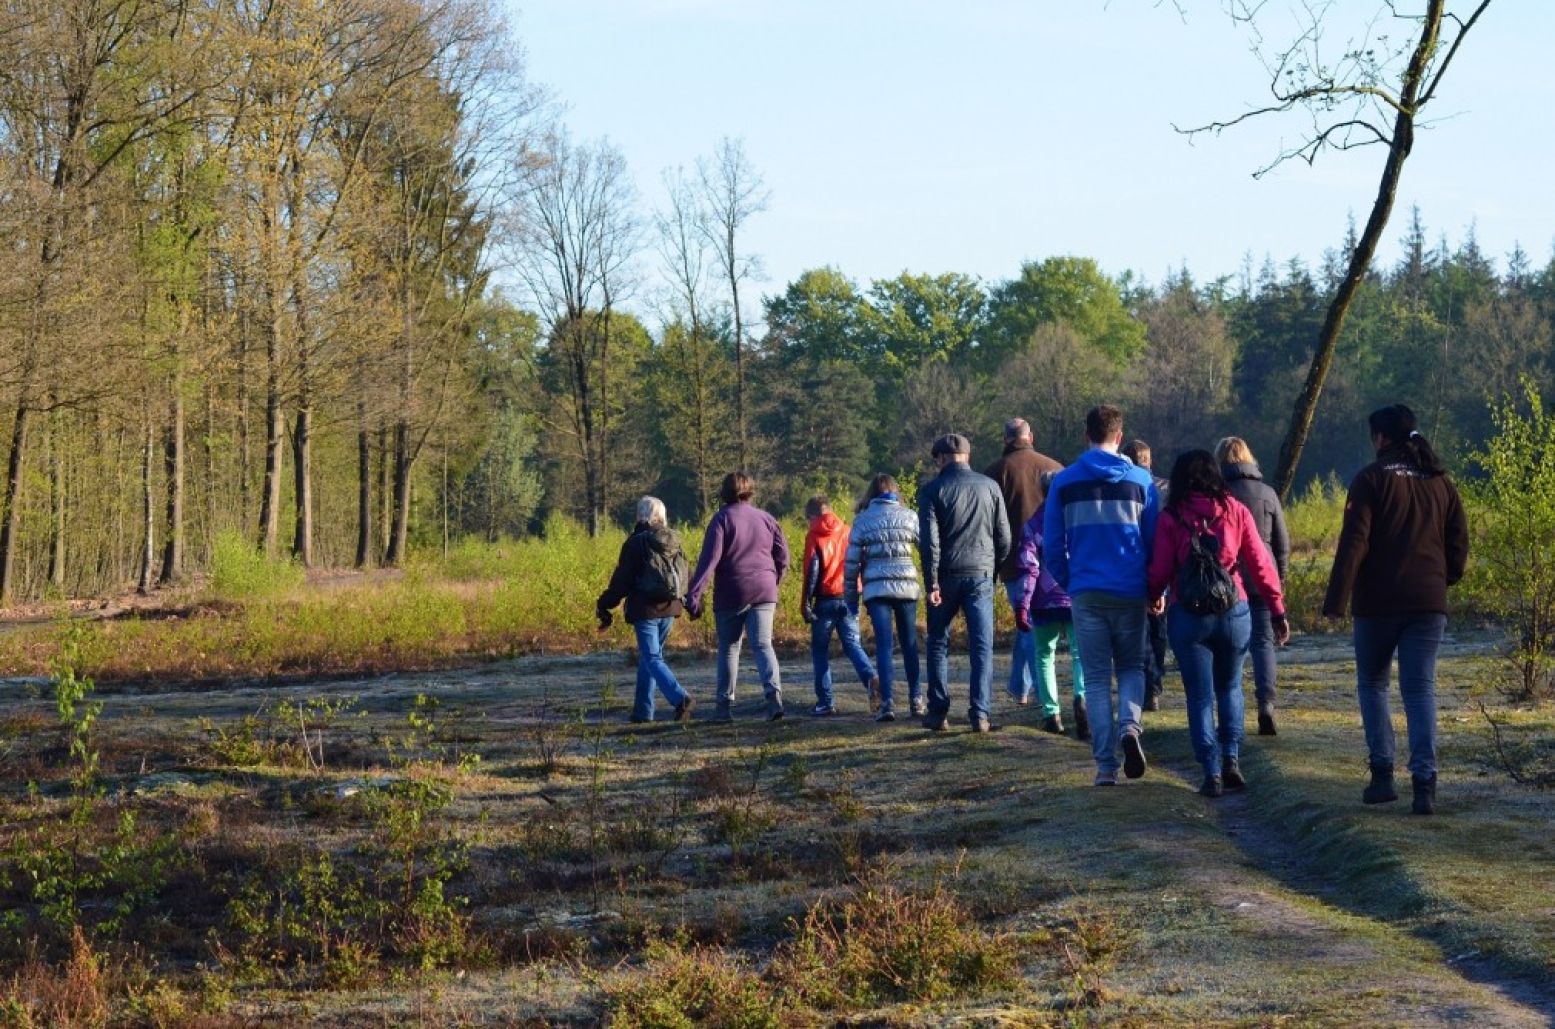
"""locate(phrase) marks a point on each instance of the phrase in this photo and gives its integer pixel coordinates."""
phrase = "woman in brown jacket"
(1405, 540)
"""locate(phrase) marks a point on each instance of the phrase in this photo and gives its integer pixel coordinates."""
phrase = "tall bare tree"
(577, 234)
(1372, 95)
(733, 193)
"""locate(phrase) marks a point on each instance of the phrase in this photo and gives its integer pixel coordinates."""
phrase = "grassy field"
(258, 619)
(495, 846)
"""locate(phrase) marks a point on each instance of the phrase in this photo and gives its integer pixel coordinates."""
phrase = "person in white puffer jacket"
(880, 557)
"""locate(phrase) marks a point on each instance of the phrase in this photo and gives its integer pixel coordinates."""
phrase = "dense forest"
(332, 276)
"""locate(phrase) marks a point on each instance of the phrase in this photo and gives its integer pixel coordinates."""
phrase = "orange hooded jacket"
(825, 548)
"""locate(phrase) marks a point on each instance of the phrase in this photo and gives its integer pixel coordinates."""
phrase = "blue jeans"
(905, 614)
(972, 597)
(1261, 646)
(651, 669)
(1210, 651)
(832, 615)
(1044, 663)
(1021, 652)
(1416, 639)
(755, 622)
(1111, 632)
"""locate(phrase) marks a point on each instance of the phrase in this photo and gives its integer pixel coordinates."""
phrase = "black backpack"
(1204, 585)
(663, 574)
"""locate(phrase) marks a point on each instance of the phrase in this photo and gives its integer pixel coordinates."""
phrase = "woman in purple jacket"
(745, 555)
(1043, 610)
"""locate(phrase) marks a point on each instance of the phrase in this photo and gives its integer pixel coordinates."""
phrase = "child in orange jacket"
(824, 608)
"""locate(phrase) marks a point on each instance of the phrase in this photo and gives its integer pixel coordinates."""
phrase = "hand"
(852, 606)
(1281, 626)
(1335, 615)
(1023, 620)
(693, 608)
(934, 597)
(605, 618)
(1158, 605)
(807, 613)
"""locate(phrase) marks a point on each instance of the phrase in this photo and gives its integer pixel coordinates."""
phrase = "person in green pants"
(1043, 610)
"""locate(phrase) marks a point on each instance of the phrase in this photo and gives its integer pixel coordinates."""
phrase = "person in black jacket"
(963, 535)
(1138, 451)
(1404, 540)
(650, 575)
(1245, 482)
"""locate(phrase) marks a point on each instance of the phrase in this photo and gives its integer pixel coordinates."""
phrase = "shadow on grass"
(1309, 831)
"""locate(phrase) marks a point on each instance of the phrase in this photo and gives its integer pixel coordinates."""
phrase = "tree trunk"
(208, 448)
(604, 417)
(243, 452)
(270, 495)
(739, 358)
(364, 491)
(173, 457)
(302, 473)
(148, 510)
(56, 511)
(384, 506)
(13, 497)
(1382, 208)
(400, 526)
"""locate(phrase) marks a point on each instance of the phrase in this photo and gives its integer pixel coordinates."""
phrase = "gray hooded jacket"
(1246, 483)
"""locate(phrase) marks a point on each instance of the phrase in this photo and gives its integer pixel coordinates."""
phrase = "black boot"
(1082, 721)
(1425, 795)
(1211, 787)
(1266, 720)
(1231, 774)
(1053, 724)
(1380, 790)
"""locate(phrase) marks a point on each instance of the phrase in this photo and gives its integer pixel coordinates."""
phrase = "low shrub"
(883, 942)
(239, 571)
(681, 985)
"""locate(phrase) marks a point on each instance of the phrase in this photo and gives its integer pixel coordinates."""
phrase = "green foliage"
(821, 316)
(340, 916)
(1515, 545)
(920, 319)
(239, 571)
(1071, 290)
(92, 858)
(1313, 520)
(503, 490)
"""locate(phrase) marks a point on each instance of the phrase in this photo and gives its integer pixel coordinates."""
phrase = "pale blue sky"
(969, 136)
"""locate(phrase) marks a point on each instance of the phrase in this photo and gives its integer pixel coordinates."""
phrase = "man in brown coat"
(1019, 475)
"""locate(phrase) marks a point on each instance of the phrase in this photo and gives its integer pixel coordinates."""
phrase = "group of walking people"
(1102, 554)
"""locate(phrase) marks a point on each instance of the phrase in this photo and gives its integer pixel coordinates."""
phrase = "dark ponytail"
(1396, 425)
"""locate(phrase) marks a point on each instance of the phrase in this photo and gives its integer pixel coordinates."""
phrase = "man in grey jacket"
(963, 535)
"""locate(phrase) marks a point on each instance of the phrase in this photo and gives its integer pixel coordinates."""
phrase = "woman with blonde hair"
(650, 576)
(1245, 482)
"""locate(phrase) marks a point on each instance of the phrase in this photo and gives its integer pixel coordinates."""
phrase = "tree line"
(332, 276)
(847, 378)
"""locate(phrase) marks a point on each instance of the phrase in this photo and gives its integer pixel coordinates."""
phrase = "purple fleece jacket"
(745, 555)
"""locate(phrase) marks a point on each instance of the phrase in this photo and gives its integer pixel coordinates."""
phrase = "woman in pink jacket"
(1207, 550)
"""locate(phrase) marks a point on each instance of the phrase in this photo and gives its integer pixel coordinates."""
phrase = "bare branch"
(1452, 52)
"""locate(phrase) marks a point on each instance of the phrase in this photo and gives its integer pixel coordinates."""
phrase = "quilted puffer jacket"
(880, 551)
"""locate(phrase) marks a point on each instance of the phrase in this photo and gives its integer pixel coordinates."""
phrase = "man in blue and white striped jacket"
(1099, 524)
